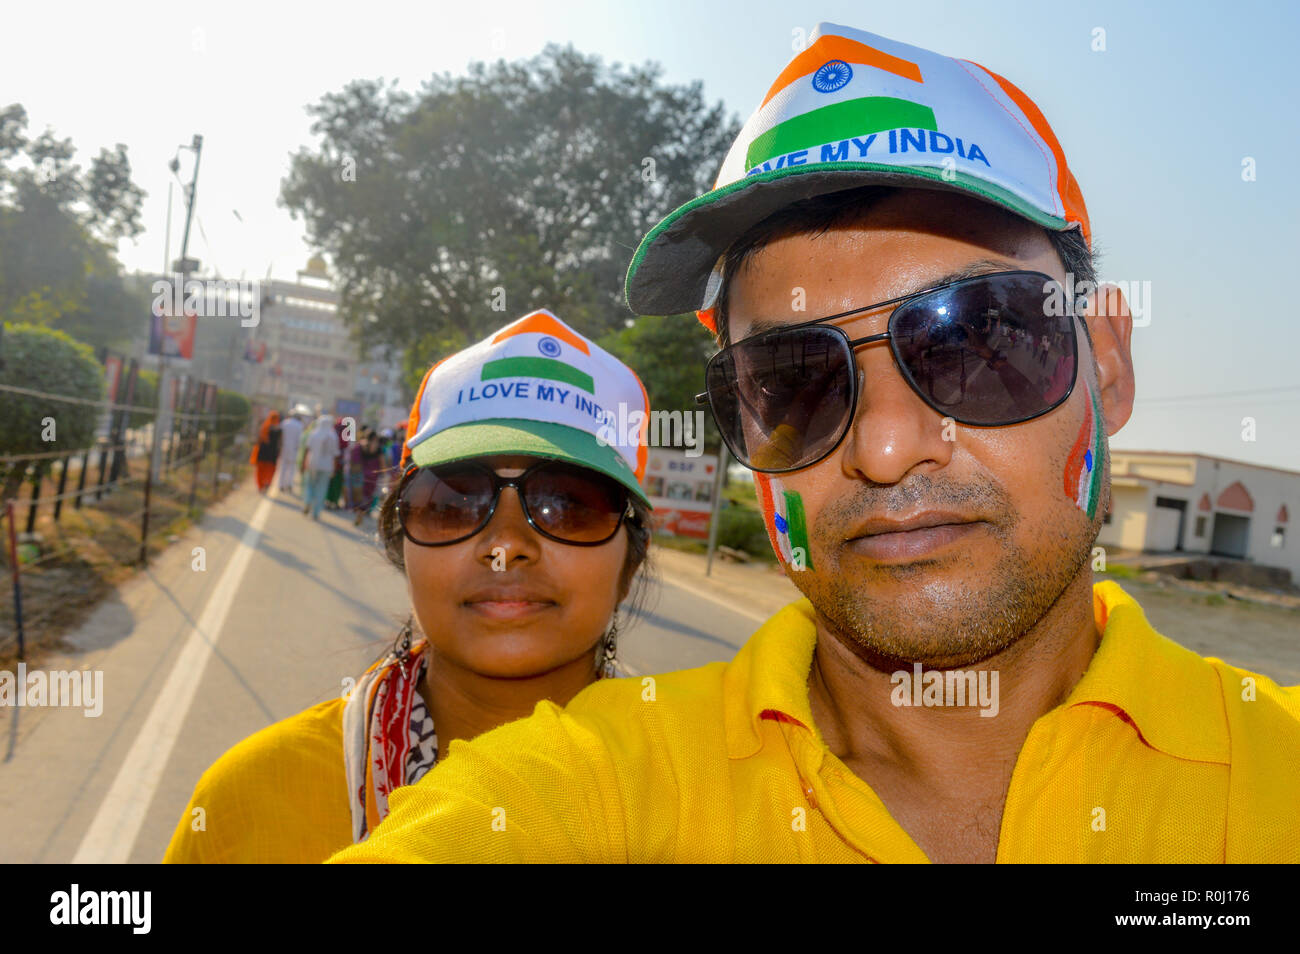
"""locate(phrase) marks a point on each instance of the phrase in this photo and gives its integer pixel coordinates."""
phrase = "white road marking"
(116, 825)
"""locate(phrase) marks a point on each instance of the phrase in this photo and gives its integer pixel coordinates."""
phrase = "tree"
(668, 353)
(40, 359)
(233, 409)
(59, 227)
(521, 185)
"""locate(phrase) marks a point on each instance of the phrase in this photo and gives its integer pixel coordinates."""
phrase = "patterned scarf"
(388, 736)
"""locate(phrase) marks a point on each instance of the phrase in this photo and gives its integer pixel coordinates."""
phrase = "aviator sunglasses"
(449, 503)
(987, 351)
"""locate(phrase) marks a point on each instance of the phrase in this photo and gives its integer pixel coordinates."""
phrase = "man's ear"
(1111, 326)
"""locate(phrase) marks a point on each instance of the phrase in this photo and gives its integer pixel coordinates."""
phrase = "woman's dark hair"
(638, 544)
(820, 214)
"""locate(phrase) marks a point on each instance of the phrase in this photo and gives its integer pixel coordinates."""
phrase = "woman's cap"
(855, 109)
(535, 387)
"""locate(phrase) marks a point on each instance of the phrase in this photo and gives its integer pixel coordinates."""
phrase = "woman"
(363, 462)
(267, 451)
(335, 488)
(520, 531)
(322, 453)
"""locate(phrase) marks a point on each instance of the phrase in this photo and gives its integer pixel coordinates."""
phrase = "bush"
(232, 402)
(146, 395)
(45, 360)
(742, 528)
(228, 402)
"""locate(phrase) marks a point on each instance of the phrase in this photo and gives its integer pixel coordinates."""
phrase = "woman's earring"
(608, 668)
(403, 647)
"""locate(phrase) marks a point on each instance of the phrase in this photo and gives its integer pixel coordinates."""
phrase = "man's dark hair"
(820, 214)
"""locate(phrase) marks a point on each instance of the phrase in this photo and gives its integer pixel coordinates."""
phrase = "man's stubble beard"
(947, 621)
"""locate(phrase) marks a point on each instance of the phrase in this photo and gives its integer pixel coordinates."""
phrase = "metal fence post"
(81, 478)
(58, 494)
(36, 493)
(18, 592)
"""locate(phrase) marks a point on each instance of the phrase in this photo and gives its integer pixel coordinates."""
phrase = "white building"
(311, 357)
(1196, 504)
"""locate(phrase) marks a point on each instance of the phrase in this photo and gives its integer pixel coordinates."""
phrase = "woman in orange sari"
(267, 451)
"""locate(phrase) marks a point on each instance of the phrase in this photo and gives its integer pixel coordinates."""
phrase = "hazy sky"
(1156, 129)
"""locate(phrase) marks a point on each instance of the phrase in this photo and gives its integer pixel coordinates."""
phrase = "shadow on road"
(663, 622)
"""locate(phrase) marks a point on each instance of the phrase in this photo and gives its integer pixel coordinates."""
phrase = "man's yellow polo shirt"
(1158, 755)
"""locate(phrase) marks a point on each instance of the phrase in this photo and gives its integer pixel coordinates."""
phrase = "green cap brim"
(535, 438)
(672, 265)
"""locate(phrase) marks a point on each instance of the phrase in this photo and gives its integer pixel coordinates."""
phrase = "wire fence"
(123, 493)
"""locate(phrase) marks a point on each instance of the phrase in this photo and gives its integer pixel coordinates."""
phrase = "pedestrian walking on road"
(318, 464)
(520, 531)
(363, 462)
(290, 436)
(334, 490)
(266, 451)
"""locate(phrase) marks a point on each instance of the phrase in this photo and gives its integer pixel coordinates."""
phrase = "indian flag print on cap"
(787, 526)
(1083, 466)
(853, 98)
(545, 364)
(535, 369)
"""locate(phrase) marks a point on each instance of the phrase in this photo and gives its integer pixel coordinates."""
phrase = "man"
(322, 453)
(885, 257)
(290, 435)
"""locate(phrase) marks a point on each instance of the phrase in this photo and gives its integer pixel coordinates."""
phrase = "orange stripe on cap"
(833, 47)
(413, 422)
(1067, 187)
(708, 319)
(539, 322)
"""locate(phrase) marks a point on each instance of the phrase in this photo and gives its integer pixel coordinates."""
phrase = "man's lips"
(913, 537)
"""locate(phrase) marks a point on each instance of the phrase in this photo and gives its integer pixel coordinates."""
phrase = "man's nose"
(893, 430)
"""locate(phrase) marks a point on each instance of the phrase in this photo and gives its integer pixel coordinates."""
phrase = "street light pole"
(155, 458)
(197, 146)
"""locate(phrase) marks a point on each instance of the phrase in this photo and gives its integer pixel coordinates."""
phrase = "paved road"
(194, 660)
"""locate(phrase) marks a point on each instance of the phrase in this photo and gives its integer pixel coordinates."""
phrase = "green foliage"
(1121, 571)
(741, 492)
(146, 396)
(232, 402)
(535, 179)
(669, 354)
(743, 529)
(45, 360)
(59, 226)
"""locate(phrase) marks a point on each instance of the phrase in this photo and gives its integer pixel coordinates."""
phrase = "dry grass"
(94, 548)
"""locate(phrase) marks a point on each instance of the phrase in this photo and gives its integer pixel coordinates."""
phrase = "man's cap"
(855, 109)
(535, 387)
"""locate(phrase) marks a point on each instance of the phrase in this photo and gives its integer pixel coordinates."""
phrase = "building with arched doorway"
(1196, 504)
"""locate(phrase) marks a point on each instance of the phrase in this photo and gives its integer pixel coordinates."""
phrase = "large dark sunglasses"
(987, 351)
(446, 504)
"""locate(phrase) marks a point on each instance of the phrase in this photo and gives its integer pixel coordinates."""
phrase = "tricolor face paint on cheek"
(787, 526)
(1083, 466)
